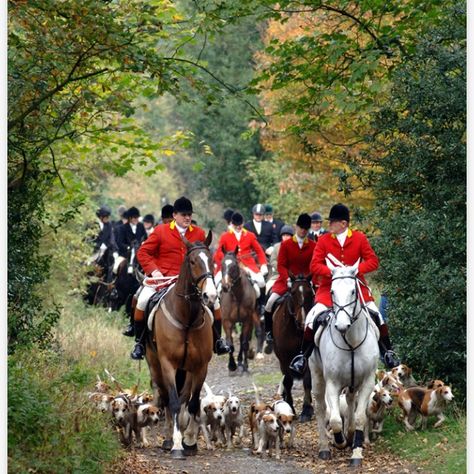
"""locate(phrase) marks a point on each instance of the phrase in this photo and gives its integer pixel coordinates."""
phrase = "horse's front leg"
(349, 416)
(318, 389)
(228, 337)
(308, 411)
(245, 344)
(194, 407)
(360, 418)
(335, 420)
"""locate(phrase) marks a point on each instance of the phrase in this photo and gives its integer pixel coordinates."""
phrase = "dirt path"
(240, 460)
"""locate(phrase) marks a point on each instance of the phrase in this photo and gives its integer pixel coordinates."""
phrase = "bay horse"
(238, 305)
(288, 328)
(347, 357)
(179, 348)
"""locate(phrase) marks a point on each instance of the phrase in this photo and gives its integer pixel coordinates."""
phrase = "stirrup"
(299, 364)
(269, 337)
(129, 331)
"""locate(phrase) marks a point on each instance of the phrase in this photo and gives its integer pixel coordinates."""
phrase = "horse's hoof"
(190, 450)
(177, 454)
(324, 455)
(167, 444)
(355, 462)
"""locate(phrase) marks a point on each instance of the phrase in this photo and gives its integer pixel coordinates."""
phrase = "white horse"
(347, 357)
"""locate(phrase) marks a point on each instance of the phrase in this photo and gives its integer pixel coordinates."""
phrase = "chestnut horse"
(238, 305)
(288, 327)
(182, 332)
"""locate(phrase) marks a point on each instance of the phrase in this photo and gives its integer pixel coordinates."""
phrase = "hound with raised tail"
(123, 413)
(268, 433)
(257, 408)
(286, 418)
(212, 417)
(233, 419)
(426, 402)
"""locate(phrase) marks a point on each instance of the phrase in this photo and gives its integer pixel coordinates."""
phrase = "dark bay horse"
(238, 305)
(288, 327)
(180, 347)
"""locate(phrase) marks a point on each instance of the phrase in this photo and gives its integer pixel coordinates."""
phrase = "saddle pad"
(154, 303)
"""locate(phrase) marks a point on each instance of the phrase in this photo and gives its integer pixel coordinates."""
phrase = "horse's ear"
(186, 241)
(355, 268)
(208, 239)
(330, 265)
(291, 274)
(309, 277)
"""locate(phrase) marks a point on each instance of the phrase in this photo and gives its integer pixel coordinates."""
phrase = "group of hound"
(222, 419)
(413, 399)
(131, 412)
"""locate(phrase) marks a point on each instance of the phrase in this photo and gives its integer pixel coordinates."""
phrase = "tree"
(75, 71)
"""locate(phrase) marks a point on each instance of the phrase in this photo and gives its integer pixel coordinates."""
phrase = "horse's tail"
(207, 389)
(257, 398)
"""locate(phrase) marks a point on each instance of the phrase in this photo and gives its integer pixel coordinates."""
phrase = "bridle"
(338, 308)
(353, 318)
(196, 292)
(290, 302)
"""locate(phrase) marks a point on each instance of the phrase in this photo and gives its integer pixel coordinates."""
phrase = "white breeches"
(271, 301)
(270, 282)
(319, 308)
(257, 279)
(144, 296)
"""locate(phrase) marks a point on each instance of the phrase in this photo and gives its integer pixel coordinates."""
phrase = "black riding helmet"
(103, 211)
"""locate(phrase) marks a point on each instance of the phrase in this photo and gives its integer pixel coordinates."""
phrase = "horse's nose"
(342, 328)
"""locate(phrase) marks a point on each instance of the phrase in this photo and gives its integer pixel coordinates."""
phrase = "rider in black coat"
(130, 234)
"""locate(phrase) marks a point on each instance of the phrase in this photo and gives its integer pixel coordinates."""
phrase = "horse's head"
(199, 262)
(301, 293)
(344, 295)
(230, 270)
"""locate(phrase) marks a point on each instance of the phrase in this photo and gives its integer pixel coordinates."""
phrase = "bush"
(52, 427)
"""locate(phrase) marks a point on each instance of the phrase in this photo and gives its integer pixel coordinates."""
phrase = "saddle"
(154, 303)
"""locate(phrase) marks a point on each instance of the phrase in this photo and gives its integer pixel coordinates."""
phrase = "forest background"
(300, 104)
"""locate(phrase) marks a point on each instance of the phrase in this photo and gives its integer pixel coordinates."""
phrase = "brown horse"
(182, 332)
(288, 327)
(238, 305)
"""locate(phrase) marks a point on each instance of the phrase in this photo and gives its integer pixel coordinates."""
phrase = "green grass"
(439, 450)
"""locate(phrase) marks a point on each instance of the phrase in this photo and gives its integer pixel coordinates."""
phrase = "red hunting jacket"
(292, 258)
(248, 245)
(164, 250)
(356, 245)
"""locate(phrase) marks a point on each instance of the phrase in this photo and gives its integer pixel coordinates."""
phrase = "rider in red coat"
(162, 254)
(343, 246)
(237, 236)
(294, 256)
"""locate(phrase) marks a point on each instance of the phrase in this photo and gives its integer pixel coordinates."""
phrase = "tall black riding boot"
(299, 363)
(138, 351)
(219, 344)
(385, 346)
